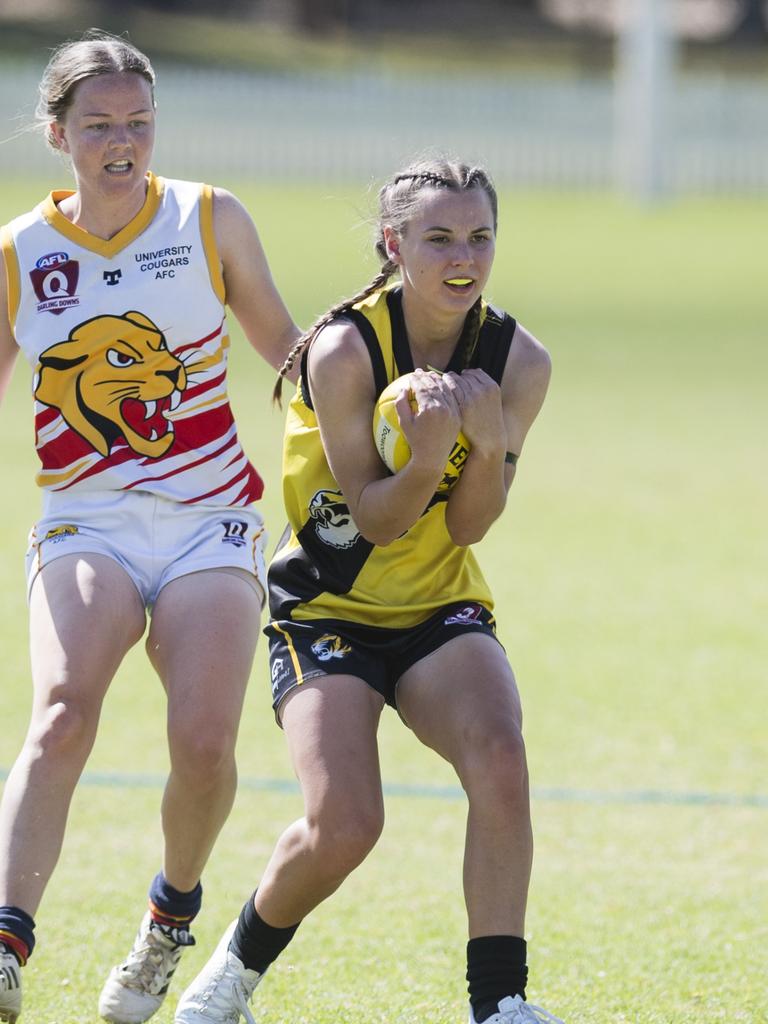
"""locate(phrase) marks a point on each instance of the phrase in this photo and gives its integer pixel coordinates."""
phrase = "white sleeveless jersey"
(128, 342)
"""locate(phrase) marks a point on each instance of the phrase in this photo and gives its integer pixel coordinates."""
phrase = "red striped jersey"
(128, 342)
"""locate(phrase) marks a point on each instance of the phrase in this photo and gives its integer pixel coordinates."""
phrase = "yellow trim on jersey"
(292, 651)
(48, 478)
(102, 246)
(209, 243)
(12, 275)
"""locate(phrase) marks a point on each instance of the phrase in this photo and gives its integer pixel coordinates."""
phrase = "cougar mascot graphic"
(114, 377)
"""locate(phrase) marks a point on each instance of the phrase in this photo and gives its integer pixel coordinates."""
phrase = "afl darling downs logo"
(330, 646)
(333, 523)
(55, 282)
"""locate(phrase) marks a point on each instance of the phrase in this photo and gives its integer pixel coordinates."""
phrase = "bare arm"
(251, 292)
(495, 420)
(8, 347)
(343, 393)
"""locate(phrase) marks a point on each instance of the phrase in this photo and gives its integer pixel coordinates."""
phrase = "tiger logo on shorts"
(330, 646)
(114, 377)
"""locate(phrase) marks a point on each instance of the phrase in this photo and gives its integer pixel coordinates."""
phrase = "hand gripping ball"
(391, 443)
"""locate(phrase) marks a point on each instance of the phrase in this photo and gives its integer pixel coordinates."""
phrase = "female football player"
(115, 292)
(376, 597)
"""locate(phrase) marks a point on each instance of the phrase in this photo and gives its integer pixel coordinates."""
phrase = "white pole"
(644, 83)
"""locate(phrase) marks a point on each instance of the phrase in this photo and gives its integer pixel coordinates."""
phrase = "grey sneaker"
(221, 992)
(10, 985)
(135, 988)
(515, 1010)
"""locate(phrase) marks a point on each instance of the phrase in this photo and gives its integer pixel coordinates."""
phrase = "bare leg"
(331, 730)
(85, 613)
(201, 642)
(331, 727)
(463, 702)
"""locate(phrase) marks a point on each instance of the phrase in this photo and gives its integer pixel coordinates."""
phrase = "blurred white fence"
(528, 129)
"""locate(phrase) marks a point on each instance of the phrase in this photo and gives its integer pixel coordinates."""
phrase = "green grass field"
(629, 571)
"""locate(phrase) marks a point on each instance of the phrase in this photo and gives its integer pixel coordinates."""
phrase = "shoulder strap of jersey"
(364, 325)
(12, 274)
(401, 350)
(493, 342)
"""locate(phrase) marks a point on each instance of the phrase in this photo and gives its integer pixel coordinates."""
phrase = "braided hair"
(398, 199)
(378, 281)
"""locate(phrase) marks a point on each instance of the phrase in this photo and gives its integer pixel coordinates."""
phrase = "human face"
(446, 251)
(108, 132)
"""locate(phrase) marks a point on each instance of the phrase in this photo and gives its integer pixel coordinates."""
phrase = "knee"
(344, 839)
(495, 767)
(63, 731)
(202, 752)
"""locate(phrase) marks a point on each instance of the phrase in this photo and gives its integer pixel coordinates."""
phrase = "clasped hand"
(445, 404)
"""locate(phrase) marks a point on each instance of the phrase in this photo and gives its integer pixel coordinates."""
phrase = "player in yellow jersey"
(375, 596)
(116, 293)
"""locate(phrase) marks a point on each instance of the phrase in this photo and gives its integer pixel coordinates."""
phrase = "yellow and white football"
(391, 443)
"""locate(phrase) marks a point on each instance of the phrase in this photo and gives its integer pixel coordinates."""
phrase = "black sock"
(257, 943)
(495, 968)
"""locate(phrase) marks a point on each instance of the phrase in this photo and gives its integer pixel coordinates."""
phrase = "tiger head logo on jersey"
(114, 377)
(333, 523)
(330, 646)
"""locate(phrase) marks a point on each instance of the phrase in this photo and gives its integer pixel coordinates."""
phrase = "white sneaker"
(135, 988)
(221, 992)
(515, 1010)
(10, 985)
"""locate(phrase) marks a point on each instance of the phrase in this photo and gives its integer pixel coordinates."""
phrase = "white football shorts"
(155, 540)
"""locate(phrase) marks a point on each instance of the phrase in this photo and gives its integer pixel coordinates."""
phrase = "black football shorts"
(300, 651)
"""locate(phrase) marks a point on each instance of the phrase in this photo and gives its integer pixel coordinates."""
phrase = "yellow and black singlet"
(323, 568)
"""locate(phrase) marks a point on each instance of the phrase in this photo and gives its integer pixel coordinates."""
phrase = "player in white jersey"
(116, 294)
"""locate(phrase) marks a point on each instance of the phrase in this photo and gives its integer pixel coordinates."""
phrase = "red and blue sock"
(171, 908)
(17, 932)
